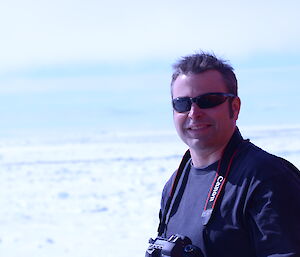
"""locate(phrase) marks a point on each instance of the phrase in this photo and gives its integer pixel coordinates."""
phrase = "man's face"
(204, 129)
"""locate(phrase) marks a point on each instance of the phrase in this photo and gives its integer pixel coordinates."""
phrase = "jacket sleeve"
(274, 211)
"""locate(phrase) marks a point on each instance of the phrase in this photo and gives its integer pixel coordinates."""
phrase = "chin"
(196, 143)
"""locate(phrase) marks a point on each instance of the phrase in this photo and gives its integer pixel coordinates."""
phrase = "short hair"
(200, 62)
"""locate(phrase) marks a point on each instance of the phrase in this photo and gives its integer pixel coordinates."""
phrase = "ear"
(236, 106)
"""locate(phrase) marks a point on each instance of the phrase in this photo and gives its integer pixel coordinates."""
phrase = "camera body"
(175, 246)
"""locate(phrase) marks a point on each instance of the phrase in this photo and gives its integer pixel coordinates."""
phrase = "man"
(228, 196)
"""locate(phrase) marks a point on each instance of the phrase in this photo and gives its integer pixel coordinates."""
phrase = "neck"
(204, 158)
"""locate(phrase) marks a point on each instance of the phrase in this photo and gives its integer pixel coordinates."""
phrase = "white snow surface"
(98, 194)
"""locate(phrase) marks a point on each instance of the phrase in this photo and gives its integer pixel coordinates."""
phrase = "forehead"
(196, 84)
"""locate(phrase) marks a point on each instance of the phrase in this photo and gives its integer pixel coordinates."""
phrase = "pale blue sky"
(107, 65)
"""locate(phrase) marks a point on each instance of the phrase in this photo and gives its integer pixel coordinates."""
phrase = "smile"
(199, 126)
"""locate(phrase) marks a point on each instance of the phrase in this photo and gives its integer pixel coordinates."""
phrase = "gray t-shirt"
(187, 216)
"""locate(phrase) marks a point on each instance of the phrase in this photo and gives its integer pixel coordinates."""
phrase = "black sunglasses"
(205, 101)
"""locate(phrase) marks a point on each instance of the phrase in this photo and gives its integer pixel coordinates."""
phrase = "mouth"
(198, 126)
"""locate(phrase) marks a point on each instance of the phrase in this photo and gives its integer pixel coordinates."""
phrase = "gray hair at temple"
(200, 62)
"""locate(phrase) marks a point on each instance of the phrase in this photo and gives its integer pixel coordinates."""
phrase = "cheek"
(179, 120)
(219, 115)
(225, 119)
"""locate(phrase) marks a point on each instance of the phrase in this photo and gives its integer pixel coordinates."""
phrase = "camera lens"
(192, 251)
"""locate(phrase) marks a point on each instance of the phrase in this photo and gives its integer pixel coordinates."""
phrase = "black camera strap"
(182, 167)
(224, 166)
(179, 190)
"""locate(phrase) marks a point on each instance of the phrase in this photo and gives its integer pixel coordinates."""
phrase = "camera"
(174, 246)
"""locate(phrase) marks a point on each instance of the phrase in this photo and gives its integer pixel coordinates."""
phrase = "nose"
(195, 111)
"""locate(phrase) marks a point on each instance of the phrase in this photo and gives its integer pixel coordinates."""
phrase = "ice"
(97, 194)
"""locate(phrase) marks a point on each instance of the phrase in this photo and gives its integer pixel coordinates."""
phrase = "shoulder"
(168, 186)
(176, 176)
(254, 157)
(264, 164)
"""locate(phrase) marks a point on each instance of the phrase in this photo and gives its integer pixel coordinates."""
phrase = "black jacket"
(256, 214)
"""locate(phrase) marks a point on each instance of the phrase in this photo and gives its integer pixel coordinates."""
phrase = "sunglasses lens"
(210, 100)
(182, 104)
